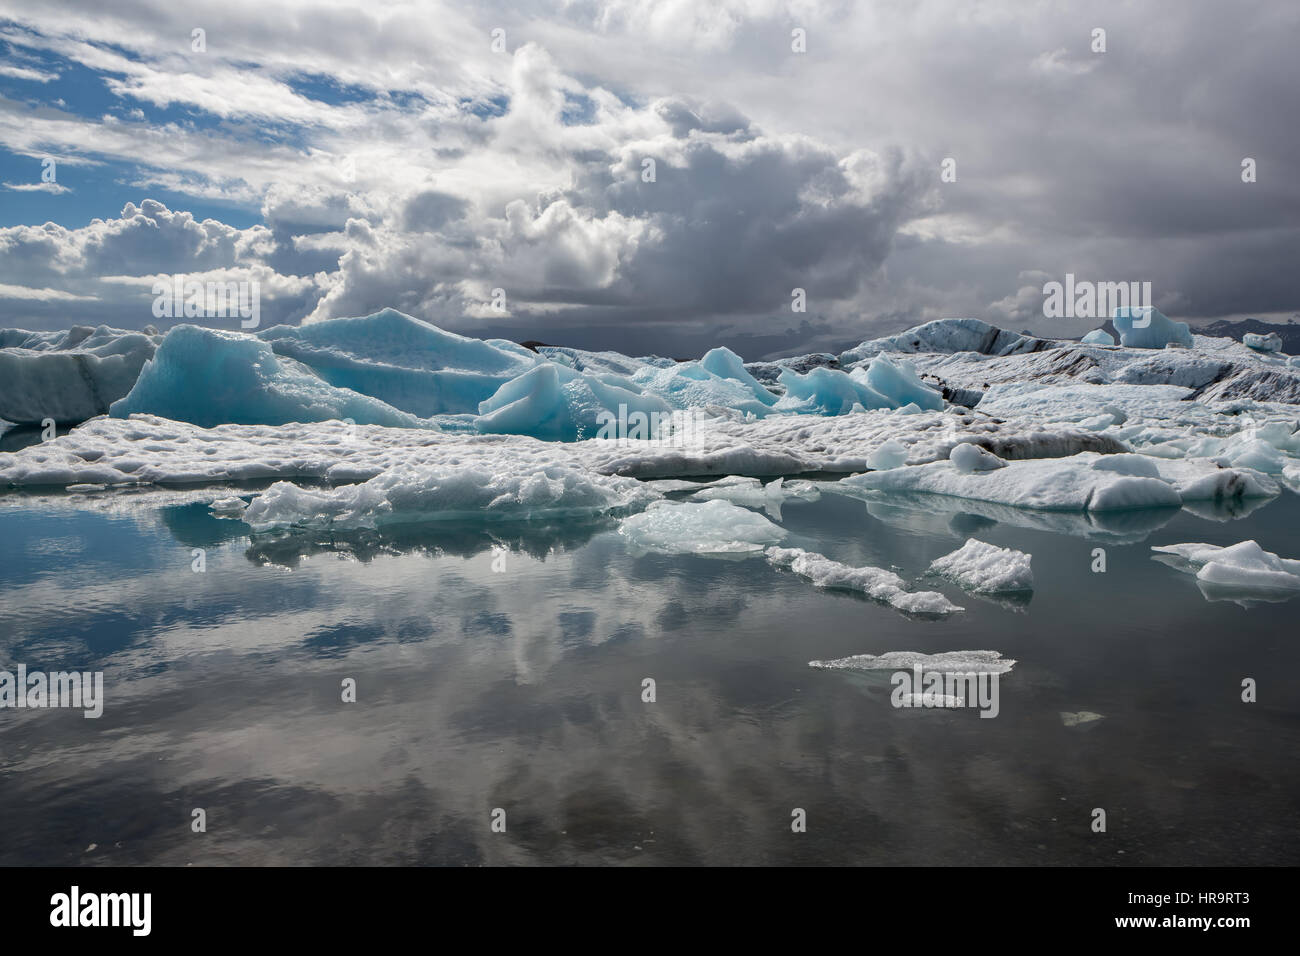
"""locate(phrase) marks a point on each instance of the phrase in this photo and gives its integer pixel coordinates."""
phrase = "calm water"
(521, 688)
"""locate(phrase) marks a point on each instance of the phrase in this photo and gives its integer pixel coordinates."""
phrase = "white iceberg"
(984, 568)
(1272, 342)
(1099, 337)
(507, 488)
(1242, 567)
(1083, 482)
(876, 583)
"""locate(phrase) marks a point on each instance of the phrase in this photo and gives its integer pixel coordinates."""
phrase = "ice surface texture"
(986, 569)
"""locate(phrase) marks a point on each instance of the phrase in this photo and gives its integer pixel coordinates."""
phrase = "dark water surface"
(521, 688)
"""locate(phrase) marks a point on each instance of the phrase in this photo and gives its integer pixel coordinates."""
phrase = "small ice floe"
(1272, 342)
(954, 662)
(1240, 570)
(699, 527)
(1080, 717)
(984, 568)
(228, 507)
(876, 583)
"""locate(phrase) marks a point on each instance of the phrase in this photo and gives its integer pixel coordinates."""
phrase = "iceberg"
(212, 377)
(1083, 482)
(948, 335)
(706, 527)
(1241, 567)
(882, 384)
(1146, 327)
(876, 583)
(1272, 342)
(68, 376)
(508, 488)
(556, 403)
(984, 568)
(1099, 337)
(402, 361)
(727, 364)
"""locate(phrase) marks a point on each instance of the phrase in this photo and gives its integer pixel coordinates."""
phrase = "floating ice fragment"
(875, 583)
(986, 569)
(1272, 342)
(1099, 337)
(1243, 567)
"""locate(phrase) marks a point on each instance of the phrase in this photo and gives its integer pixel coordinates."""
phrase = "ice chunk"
(752, 493)
(727, 364)
(828, 391)
(968, 458)
(897, 380)
(1146, 327)
(891, 454)
(508, 488)
(228, 507)
(705, 527)
(1242, 567)
(1059, 484)
(402, 361)
(211, 377)
(1099, 337)
(67, 376)
(559, 404)
(876, 583)
(948, 662)
(986, 569)
(690, 385)
(1272, 342)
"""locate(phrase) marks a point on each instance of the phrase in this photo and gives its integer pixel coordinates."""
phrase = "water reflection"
(505, 667)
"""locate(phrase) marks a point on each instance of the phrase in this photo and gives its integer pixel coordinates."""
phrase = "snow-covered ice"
(984, 568)
(504, 488)
(1242, 567)
(876, 583)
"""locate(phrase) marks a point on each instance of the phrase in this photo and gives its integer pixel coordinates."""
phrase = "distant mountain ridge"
(1290, 334)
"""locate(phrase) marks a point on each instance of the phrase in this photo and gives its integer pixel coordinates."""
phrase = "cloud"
(388, 169)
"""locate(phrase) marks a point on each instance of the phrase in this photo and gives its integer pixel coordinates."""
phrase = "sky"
(650, 176)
